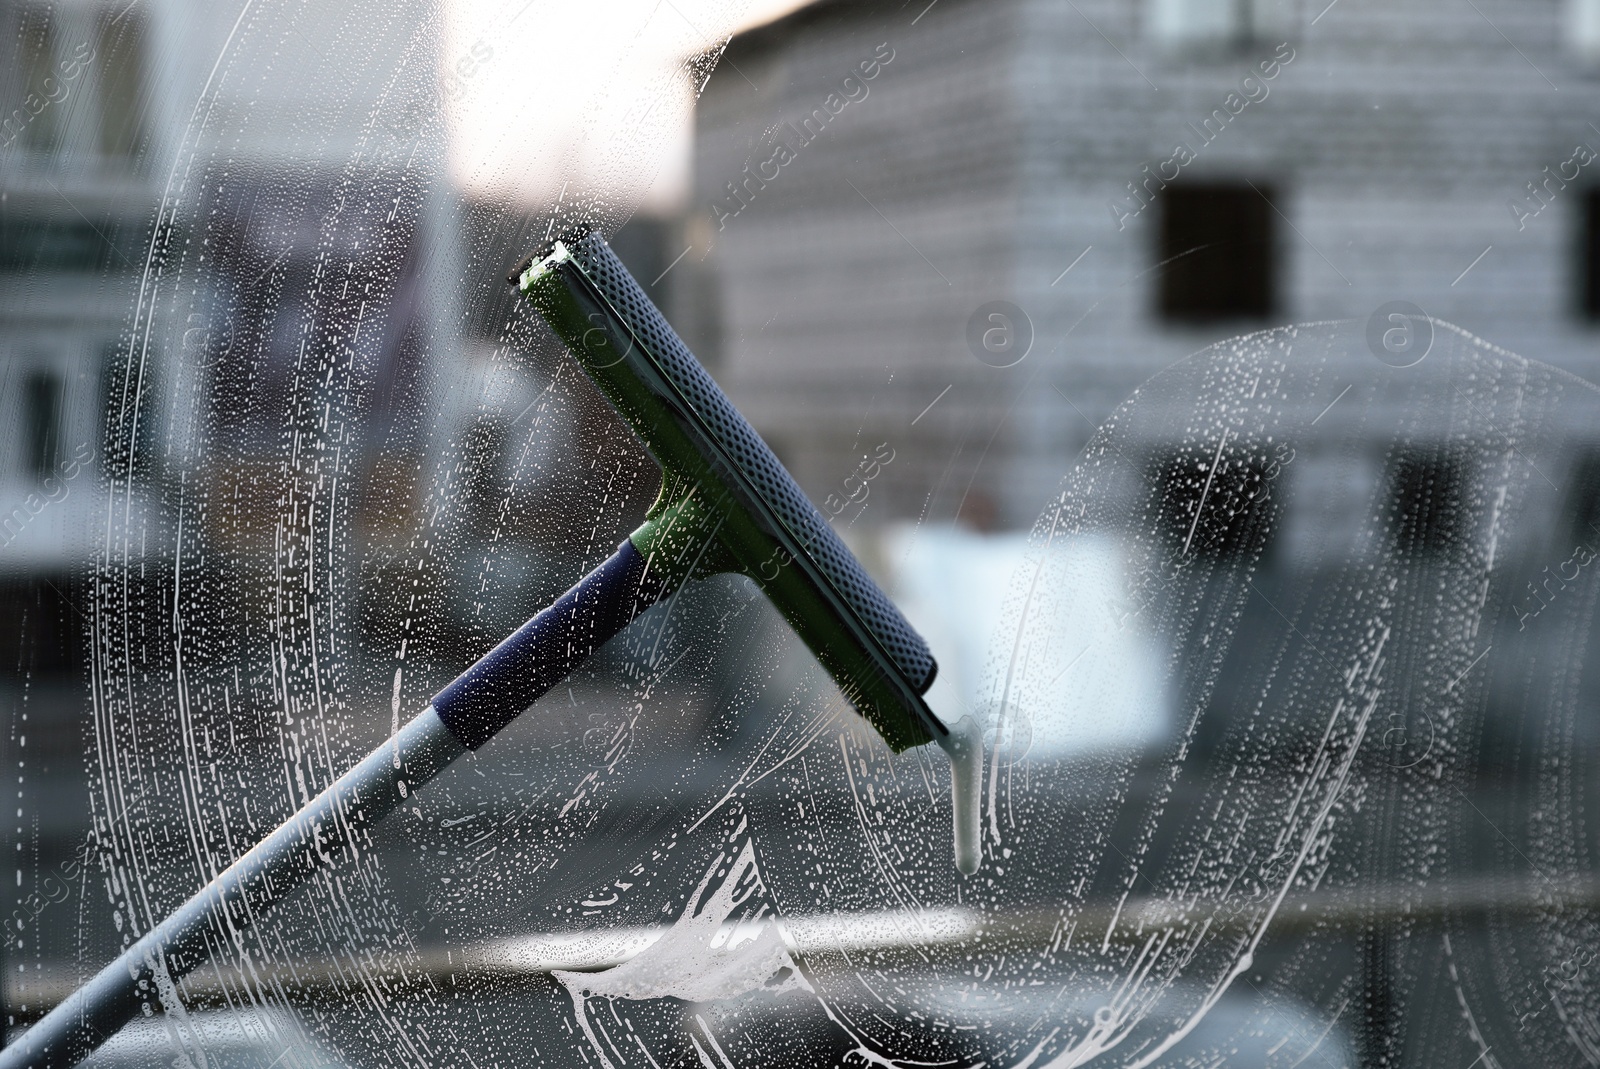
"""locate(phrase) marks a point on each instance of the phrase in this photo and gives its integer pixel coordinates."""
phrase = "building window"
(37, 125)
(1428, 498)
(1589, 257)
(1583, 499)
(120, 56)
(41, 396)
(1215, 23)
(129, 443)
(42, 629)
(41, 242)
(1583, 28)
(1217, 251)
(1216, 503)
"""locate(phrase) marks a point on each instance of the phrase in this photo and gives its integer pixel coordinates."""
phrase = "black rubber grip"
(545, 650)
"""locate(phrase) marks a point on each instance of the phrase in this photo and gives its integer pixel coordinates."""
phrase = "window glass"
(121, 84)
(40, 129)
(1583, 27)
(1208, 384)
(1217, 245)
(1588, 265)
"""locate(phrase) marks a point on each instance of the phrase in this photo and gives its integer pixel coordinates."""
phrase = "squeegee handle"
(465, 714)
(545, 650)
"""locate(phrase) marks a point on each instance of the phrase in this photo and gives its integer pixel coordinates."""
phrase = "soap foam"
(964, 746)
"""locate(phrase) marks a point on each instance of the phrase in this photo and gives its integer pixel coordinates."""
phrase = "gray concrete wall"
(994, 144)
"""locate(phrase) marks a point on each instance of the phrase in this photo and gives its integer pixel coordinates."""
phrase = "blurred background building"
(1140, 179)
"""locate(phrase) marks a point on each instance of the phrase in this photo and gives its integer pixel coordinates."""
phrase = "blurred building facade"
(1137, 178)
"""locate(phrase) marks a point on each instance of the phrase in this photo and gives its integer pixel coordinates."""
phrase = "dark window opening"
(129, 439)
(1210, 27)
(33, 243)
(122, 81)
(41, 398)
(41, 127)
(1582, 508)
(1428, 507)
(42, 630)
(644, 245)
(1589, 258)
(1223, 505)
(1216, 245)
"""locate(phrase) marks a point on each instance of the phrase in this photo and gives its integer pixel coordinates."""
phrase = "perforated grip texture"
(744, 447)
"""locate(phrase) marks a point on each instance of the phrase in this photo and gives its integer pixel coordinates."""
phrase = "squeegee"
(726, 505)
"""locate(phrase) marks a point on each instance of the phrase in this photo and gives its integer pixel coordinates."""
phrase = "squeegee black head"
(765, 522)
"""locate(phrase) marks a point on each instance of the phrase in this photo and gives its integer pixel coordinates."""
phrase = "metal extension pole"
(311, 839)
(463, 716)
